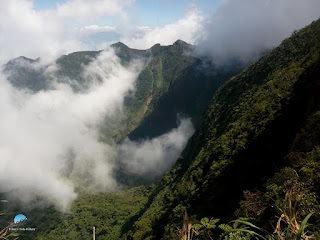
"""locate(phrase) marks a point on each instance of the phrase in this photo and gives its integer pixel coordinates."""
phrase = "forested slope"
(173, 82)
(260, 133)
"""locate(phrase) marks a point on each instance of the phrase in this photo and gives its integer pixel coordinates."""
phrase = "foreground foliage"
(243, 229)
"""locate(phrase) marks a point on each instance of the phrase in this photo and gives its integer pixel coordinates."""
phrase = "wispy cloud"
(96, 29)
(189, 28)
(81, 9)
(47, 33)
(242, 29)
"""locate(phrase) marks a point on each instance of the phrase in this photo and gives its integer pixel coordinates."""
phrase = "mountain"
(173, 84)
(23, 73)
(255, 153)
(259, 140)
(174, 81)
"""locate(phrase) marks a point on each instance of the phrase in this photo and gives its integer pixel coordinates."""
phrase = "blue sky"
(150, 13)
(160, 12)
(229, 26)
(58, 27)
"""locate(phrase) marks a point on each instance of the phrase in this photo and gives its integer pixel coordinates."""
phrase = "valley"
(213, 135)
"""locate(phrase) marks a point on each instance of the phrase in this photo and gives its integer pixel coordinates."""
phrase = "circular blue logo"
(19, 218)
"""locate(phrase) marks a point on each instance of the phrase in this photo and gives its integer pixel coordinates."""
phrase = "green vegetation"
(242, 229)
(162, 70)
(71, 66)
(111, 214)
(171, 83)
(174, 83)
(255, 156)
(253, 127)
(22, 75)
(108, 213)
(4, 231)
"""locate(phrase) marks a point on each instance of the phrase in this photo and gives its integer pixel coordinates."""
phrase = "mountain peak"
(119, 45)
(181, 42)
(24, 59)
(157, 45)
(183, 45)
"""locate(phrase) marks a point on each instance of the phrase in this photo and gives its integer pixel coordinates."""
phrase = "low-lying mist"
(49, 142)
(150, 158)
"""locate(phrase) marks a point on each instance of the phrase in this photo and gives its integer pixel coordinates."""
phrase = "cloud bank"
(47, 33)
(51, 33)
(81, 9)
(236, 29)
(49, 141)
(188, 29)
(242, 29)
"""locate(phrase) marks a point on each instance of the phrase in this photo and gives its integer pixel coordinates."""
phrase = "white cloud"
(188, 28)
(137, 33)
(153, 157)
(91, 29)
(27, 32)
(143, 28)
(47, 33)
(80, 9)
(243, 29)
(49, 141)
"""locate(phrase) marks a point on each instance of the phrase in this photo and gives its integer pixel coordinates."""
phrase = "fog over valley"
(51, 139)
(130, 115)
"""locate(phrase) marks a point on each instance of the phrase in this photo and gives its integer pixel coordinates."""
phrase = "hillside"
(254, 154)
(173, 82)
(259, 135)
(109, 213)
(22, 75)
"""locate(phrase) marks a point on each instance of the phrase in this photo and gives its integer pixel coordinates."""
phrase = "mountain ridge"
(173, 84)
(245, 118)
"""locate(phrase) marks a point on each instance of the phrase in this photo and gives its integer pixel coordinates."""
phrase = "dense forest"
(256, 152)
(250, 171)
